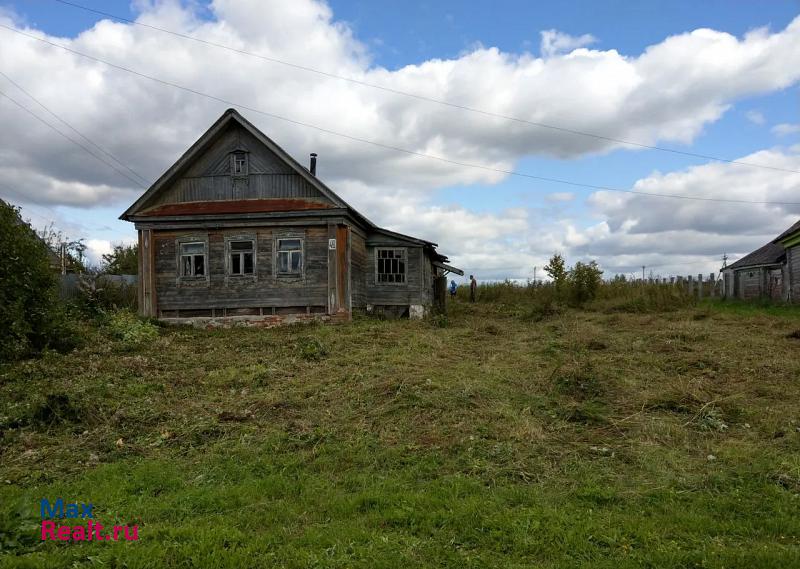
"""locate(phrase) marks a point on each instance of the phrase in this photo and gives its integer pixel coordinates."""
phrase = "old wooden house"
(771, 271)
(237, 229)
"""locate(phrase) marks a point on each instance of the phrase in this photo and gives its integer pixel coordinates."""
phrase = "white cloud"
(667, 93)
(560, 197)
(677, 236)
(784, 129)
(555, 42)
(755, 117)
(96, 248)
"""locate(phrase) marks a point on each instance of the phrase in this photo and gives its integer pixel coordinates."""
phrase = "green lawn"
(586, 439)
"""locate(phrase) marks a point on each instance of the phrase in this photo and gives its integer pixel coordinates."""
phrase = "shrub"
(584, 282)
(131, 330)
(31, 316)
(99, 294)
(123, 260)
(311, 349)
(543, 306)
(55, 409)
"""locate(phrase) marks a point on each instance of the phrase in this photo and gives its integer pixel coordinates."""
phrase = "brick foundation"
(267, 321)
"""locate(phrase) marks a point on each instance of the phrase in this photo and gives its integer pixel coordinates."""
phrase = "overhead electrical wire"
(428, 99)
(75, 130)
(72, 140)
(389, 146)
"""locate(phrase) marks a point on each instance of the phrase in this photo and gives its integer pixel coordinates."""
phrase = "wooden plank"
(342, 273)
(141, 279)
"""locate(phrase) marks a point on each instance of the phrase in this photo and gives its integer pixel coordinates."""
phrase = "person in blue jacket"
(453, 288)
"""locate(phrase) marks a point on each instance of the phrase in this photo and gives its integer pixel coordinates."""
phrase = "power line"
(389, 146)
(72, 140)
(76, 131)
(426, 98)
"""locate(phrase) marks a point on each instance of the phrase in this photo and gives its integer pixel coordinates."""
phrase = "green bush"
(311, 349)
(130, 330)
(584, 282)
(31, 316)
(99, 294)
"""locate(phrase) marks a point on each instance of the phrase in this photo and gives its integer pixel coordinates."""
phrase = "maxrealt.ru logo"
(79, 510)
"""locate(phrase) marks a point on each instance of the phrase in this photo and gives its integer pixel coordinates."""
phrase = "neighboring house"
(237, 229)
(771, 271)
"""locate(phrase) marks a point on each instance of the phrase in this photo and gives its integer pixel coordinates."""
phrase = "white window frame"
(404, 259)
(301, 251)
(192, 262)
(245, 162)
(229, 241)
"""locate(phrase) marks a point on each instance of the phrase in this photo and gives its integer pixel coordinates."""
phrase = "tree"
(28, 294)
(556, 269)
(123, 260)
(585, 280)
(75, 249)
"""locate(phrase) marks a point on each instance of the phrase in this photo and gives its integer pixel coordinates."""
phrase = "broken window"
(240, 164)
(242, 256)
(290, 256)
(193, 259)
(391, 266)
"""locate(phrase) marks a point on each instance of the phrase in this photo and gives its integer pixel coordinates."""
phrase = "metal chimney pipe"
(313, 167)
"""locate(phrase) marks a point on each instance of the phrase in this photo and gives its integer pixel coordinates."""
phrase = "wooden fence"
(70, 284)
(701, 286)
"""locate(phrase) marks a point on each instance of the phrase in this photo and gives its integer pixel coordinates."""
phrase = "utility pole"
(724, 260)
(643, 273)
(534, 275)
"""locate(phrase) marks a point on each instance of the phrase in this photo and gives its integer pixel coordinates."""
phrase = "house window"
(193, 259)
(240, 164)
(290, 256)
(241, 258)
(391, 266)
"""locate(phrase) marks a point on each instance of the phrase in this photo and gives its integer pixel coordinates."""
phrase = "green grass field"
(588, 438)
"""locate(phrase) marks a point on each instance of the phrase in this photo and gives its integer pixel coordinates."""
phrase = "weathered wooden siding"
(396, 294)
(749, 283)
(209, 176)
(219, 290)
(426, 285)
(793, 260)
(358, 270)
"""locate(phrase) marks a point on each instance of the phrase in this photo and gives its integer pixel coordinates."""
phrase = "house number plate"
(331, 244)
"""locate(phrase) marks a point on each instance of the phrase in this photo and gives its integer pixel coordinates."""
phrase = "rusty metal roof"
(236, 206)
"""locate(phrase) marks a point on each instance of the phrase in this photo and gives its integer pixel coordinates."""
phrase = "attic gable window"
(239, 165)
(193, 259)
(390, 266)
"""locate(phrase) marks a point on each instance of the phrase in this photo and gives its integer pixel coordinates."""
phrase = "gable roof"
(205, 142)
(770, 254)
(793, 229)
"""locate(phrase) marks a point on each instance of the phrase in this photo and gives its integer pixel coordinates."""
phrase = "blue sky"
(398, 34)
